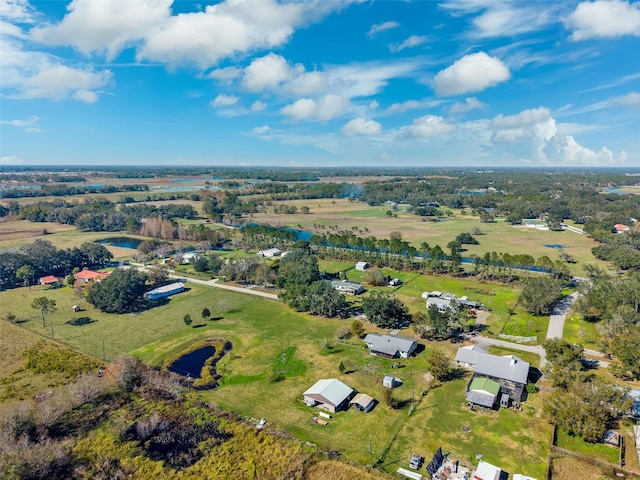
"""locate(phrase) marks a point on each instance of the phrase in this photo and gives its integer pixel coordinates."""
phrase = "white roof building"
(486, 471)
(329, 394)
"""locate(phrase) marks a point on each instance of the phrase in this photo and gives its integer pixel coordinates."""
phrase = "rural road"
(558, 316)
(484, 342)
(214, 283)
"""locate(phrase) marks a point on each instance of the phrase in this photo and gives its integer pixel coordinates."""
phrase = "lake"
(122, 242)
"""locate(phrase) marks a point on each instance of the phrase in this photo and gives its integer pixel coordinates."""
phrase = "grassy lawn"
(439, 420)
(577, 330)
(121, 333)
(532, 358)
(268, 338)
(593, 450)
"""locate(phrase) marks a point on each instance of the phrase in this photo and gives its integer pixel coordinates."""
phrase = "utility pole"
(104, 358)
(370, 453)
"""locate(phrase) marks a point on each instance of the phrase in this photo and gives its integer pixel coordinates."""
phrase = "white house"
(350, 288)
(269, 253)
(188, 256)
(165, 291)
(329, 394)
(390, 346)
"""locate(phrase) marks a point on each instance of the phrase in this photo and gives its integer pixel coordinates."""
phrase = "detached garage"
(329, 394)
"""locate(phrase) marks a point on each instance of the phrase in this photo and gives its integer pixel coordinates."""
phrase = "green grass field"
(501, 299)
(268, 338)
(498, 237)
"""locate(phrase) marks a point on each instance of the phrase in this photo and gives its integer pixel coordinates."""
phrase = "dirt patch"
(569, 468)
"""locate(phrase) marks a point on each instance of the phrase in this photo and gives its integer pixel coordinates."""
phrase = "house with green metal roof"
(483, 391)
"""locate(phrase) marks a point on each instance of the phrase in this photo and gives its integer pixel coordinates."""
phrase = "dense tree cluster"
(540, 294)
(120, 292)
(582, 404)
(42, 258)
(384, 309)
(614, 302)
(304, 291)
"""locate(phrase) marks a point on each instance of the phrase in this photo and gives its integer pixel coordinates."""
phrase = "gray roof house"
(509, 371)
(350, 288)
(468, 356)
(164, 291)
(390, 346)
(329, 394)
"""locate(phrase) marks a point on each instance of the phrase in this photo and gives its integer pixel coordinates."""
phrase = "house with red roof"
(49, 280)
(620, 228)
(86, 276)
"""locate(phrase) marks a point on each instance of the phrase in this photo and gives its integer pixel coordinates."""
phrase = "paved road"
(484, 342)
(558, 316)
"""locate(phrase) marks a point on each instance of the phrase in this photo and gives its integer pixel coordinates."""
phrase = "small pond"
(191, 364)
(553, 245)
(122, 242)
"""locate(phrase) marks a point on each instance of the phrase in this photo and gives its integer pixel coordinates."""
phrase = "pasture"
(328, 215)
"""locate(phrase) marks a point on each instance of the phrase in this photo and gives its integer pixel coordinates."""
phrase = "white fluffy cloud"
(106, 26)
(224, 101)
(258, 106)
(59, 82)
(604, 19)
(16, 11)
(326, 108)
(199, 38)
(471, 73)
(381, 27)
(429, 126)
(564, 150)
(360, 126)
(410, 42)
(532, 136)
(273, 73)
(470, 103)
(266, 73)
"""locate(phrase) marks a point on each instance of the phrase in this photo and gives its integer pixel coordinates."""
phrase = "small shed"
(611, 438)
(483, 392)
(486, 471)
(394, 282)
(362, 266)
(363, 402)
(391, 382)
(519, 476)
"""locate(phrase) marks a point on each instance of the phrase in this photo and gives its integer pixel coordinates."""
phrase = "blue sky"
(320, 83)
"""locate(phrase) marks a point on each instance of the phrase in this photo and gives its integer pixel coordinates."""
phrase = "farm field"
(498, 236)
